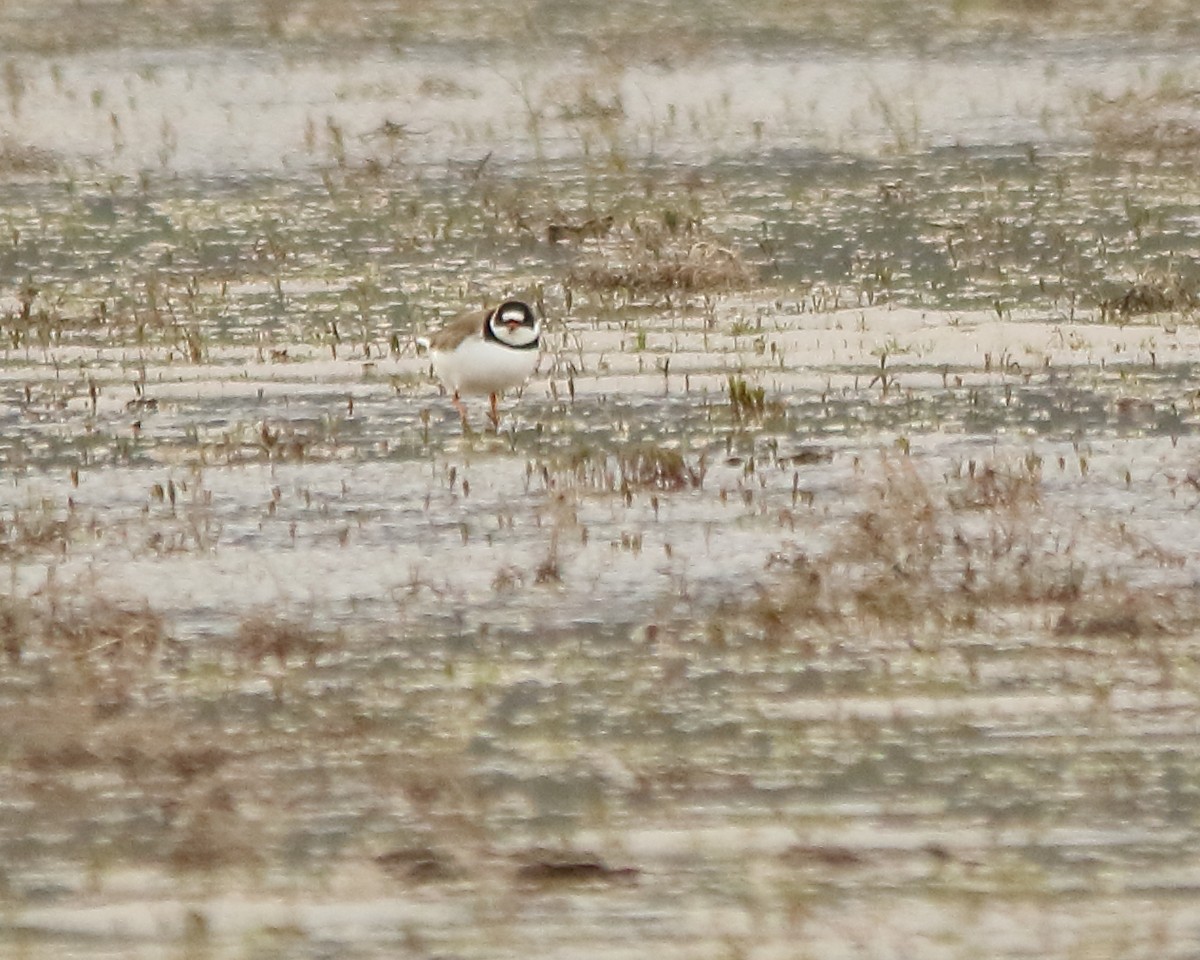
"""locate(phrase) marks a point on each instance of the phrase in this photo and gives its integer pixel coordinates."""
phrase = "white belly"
(481, 366)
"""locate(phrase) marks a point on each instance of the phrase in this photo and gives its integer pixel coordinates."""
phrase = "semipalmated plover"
(486, 352)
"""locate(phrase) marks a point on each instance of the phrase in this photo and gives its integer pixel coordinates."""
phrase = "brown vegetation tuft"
(636, 466)
(648, 258)
(19, 158)
(266, 636)
(1125, 613)
(659, 468)
(104, 631)
(1155, 291)
(918, 558)
(212, 834)
(34, 530)
(16, 618)
(1165, 122)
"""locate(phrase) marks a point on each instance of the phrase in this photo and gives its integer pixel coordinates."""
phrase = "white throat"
(518, 336)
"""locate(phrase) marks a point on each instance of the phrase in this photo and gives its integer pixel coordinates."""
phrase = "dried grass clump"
(699, 268)
(1122, 613)
(805, 599)
(210, 834)
(893, 552)
(585, 468)
(652, 259)
(55, 736)
(919, 558)
(577, 231)
(105, 631)
(656, 467)
(34, 530)
(94, 662)
(286, 442)
(17, 159)
(17, 617)
(1163, 123)
(993, 487)
(1155, 291)
(122, 770)
(99, 651)
(265, 636)
(38, 320)
(637, 466)
(84, 639)
(883, 568)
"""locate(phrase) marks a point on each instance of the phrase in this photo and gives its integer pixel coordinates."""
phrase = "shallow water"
(900, 661)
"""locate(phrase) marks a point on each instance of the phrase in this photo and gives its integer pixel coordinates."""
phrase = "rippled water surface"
(831, 590)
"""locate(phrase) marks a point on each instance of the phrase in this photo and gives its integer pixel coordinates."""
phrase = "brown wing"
(458, 329)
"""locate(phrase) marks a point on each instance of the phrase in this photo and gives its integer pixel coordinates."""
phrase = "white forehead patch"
(512, 313)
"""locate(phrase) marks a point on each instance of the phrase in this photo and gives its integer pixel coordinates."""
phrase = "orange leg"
(462, 411)
(494, 412)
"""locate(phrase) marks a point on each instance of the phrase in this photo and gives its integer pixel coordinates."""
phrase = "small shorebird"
(486, 352)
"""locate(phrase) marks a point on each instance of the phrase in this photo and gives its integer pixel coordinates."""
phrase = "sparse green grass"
(746, 401)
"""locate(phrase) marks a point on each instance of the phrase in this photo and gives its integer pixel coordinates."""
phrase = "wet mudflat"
(830, 591)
